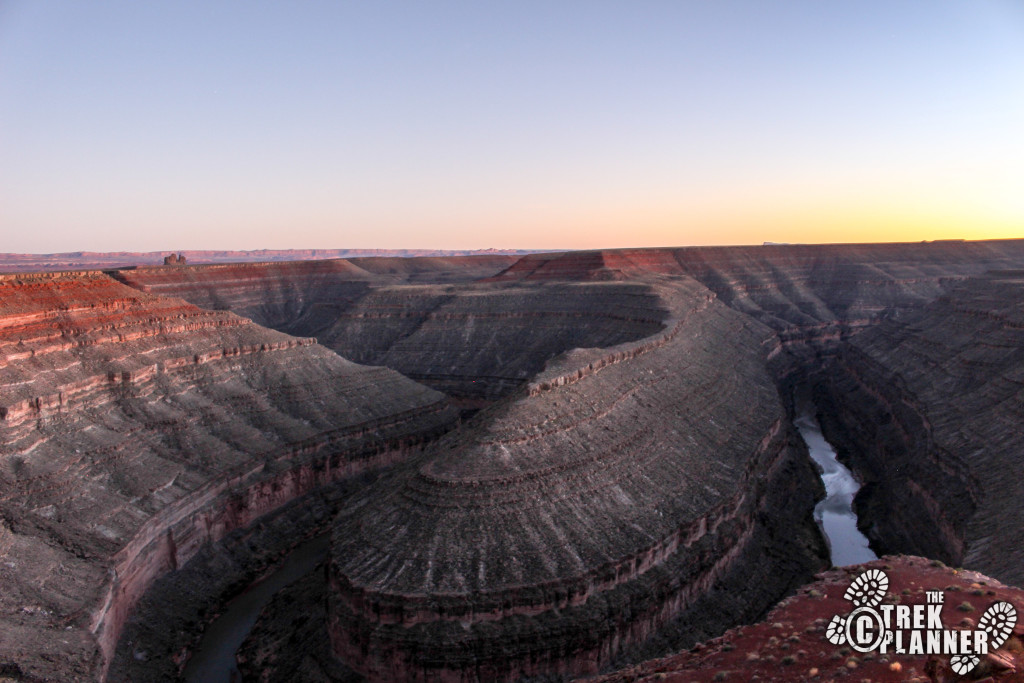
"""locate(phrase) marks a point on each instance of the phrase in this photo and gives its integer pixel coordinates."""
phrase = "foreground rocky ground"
(790, 644)
(592, 464)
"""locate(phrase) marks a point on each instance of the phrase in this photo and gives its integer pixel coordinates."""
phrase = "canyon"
(541, 466)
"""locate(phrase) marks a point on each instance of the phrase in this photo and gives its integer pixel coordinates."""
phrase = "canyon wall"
(790, 643)
(136, 428)
(789, 287)
(948, 440)
(459, 324)
(282, 295)
(422, 317)
(95, 260)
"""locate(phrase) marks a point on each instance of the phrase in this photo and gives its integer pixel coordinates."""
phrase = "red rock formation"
(135, 428)
(788, 286)
(790, 643)
(479, 341)
(476, 342)
(634, 494)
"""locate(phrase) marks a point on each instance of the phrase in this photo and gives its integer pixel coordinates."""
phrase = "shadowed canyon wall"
(92, 260)
(474, 341)
(951, 375)
(790, 643)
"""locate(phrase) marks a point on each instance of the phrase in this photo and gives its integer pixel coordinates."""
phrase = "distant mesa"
(175, 260)
(92, 260)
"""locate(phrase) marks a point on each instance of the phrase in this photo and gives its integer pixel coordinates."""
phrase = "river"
(835, 512)
(213, 661)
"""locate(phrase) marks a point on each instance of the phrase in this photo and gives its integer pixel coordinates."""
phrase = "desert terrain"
(513, 467)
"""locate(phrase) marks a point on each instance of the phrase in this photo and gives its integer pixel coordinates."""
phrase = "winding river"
(835, 512)
(213, 661)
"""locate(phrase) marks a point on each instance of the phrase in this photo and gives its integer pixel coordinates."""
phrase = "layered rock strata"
(570, 522)
(476, 342)
(297, 295)
(483, 341)
(177, 618)
(929, 409)
(791, 288)
(135, 428)
(82, 260)
(614, 503)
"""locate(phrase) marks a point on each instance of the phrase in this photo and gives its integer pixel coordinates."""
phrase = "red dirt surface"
(790, 644)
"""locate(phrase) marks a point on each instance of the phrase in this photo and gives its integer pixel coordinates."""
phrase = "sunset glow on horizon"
(155, 126)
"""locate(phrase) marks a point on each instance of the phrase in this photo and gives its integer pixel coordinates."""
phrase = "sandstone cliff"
(78, 260)
(928, 407)
(472, 341)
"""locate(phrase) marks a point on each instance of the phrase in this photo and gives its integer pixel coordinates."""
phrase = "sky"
(139, 126)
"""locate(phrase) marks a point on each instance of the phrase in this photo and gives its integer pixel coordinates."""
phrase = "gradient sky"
(202, 125)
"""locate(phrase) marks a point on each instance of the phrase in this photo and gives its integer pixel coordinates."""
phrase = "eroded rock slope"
(790, 643)
(426, 318)
(574, 520)
(135, 428)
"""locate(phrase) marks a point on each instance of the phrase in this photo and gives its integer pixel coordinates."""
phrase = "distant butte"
(543, 465)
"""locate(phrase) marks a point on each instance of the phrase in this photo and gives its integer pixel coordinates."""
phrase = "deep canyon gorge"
(540, 467)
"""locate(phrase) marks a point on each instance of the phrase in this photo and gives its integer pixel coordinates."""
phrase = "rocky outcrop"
(572, 522)
(483, 341)
(271, 294)
(790, 643)
(136, 428)
(788, 287)
(484, 332)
